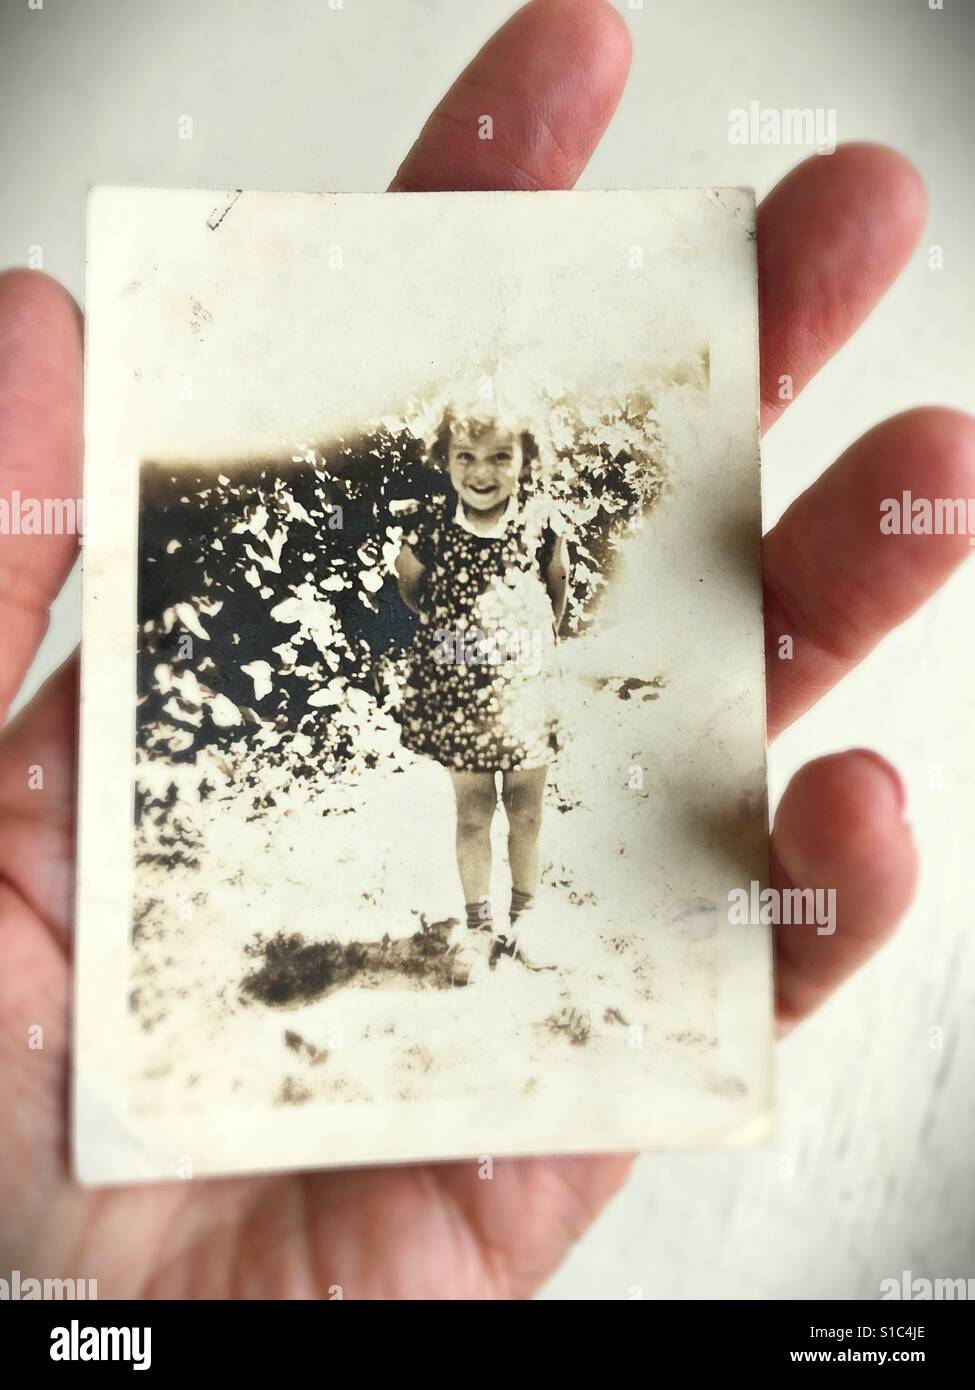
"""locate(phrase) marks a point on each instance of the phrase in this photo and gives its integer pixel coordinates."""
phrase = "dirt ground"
(303, 957)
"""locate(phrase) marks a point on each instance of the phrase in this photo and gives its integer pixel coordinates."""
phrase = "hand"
(832, 237)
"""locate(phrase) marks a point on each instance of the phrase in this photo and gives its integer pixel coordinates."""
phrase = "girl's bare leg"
(476, 797)
(522, 794)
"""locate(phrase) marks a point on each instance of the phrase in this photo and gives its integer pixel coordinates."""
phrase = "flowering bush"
(271, 630)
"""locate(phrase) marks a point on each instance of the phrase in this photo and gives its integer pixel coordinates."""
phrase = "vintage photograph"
(423, 716)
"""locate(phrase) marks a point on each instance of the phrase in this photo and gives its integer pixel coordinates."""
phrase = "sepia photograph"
(440, 799)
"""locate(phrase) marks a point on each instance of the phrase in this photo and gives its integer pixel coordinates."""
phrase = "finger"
(40, 459)
(840, 826)
(834, 582)
(34, 1019)
(549, 80)
(37, 800)
(831, 237)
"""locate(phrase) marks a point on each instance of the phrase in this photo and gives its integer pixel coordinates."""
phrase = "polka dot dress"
(482, 663)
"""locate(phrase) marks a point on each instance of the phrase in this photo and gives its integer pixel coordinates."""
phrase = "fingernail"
(893, 776)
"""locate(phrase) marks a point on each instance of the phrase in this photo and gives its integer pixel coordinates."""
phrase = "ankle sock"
(520, 902)
(479, 915)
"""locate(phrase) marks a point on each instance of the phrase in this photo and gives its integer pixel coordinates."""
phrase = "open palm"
(832, 236)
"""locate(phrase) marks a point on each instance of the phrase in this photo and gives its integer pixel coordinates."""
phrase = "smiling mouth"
(482, 491)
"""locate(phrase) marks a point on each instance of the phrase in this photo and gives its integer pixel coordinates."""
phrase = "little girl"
(485, 571)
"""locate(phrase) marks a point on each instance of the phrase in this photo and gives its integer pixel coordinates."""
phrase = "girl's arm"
(409, 577)
(556, 575)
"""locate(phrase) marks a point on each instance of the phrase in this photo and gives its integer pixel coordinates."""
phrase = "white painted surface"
(871, 1172)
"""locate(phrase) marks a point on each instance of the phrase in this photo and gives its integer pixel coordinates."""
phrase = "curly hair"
(440, 447)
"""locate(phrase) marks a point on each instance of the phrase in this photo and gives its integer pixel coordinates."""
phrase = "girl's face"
(484, 466)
